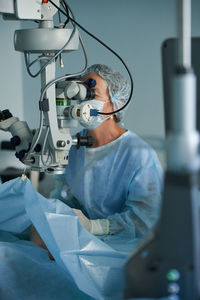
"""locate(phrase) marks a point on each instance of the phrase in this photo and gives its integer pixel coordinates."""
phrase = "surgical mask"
(99, 119)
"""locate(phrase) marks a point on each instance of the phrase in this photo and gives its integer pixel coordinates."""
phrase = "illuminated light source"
(173, 275)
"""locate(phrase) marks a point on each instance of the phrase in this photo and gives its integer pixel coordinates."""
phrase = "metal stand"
(167, 261)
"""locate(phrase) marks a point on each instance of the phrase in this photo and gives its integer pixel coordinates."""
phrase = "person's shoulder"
(137, 148)
(134, 141)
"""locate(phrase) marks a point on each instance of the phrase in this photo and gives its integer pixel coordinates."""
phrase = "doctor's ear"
(115, 117)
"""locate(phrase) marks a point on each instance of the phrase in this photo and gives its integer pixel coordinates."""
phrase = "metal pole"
(184, 32)
(183, 139)
(167, 262)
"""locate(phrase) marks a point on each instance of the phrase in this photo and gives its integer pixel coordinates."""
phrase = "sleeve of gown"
(141, 209)
(62, 192)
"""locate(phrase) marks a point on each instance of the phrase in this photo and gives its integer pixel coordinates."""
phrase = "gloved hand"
(97, 227)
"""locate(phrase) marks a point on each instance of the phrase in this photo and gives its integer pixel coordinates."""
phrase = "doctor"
(114, 186)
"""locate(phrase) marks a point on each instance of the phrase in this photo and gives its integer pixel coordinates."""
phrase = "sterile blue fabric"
(96, 268)
(26, 273)
(86, 261)
(13, 215)
(120, 181)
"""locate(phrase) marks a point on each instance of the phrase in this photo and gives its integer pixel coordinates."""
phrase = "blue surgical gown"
(120, 181)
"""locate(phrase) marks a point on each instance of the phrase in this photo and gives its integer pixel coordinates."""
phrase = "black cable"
(107, 47)
(67, 11)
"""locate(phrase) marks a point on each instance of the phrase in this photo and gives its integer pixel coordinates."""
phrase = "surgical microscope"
(61, 103)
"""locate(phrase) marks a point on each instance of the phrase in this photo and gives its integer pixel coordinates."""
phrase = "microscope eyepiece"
(90, 82)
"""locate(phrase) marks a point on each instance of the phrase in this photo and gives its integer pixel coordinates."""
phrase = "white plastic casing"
(82, 112)
(35, 9)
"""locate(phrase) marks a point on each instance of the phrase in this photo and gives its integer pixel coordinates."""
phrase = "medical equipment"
(47, 147)
(76, 90)
(168, 61)
(167, 261)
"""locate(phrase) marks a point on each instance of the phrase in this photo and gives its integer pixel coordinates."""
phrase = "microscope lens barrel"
(90, 94)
